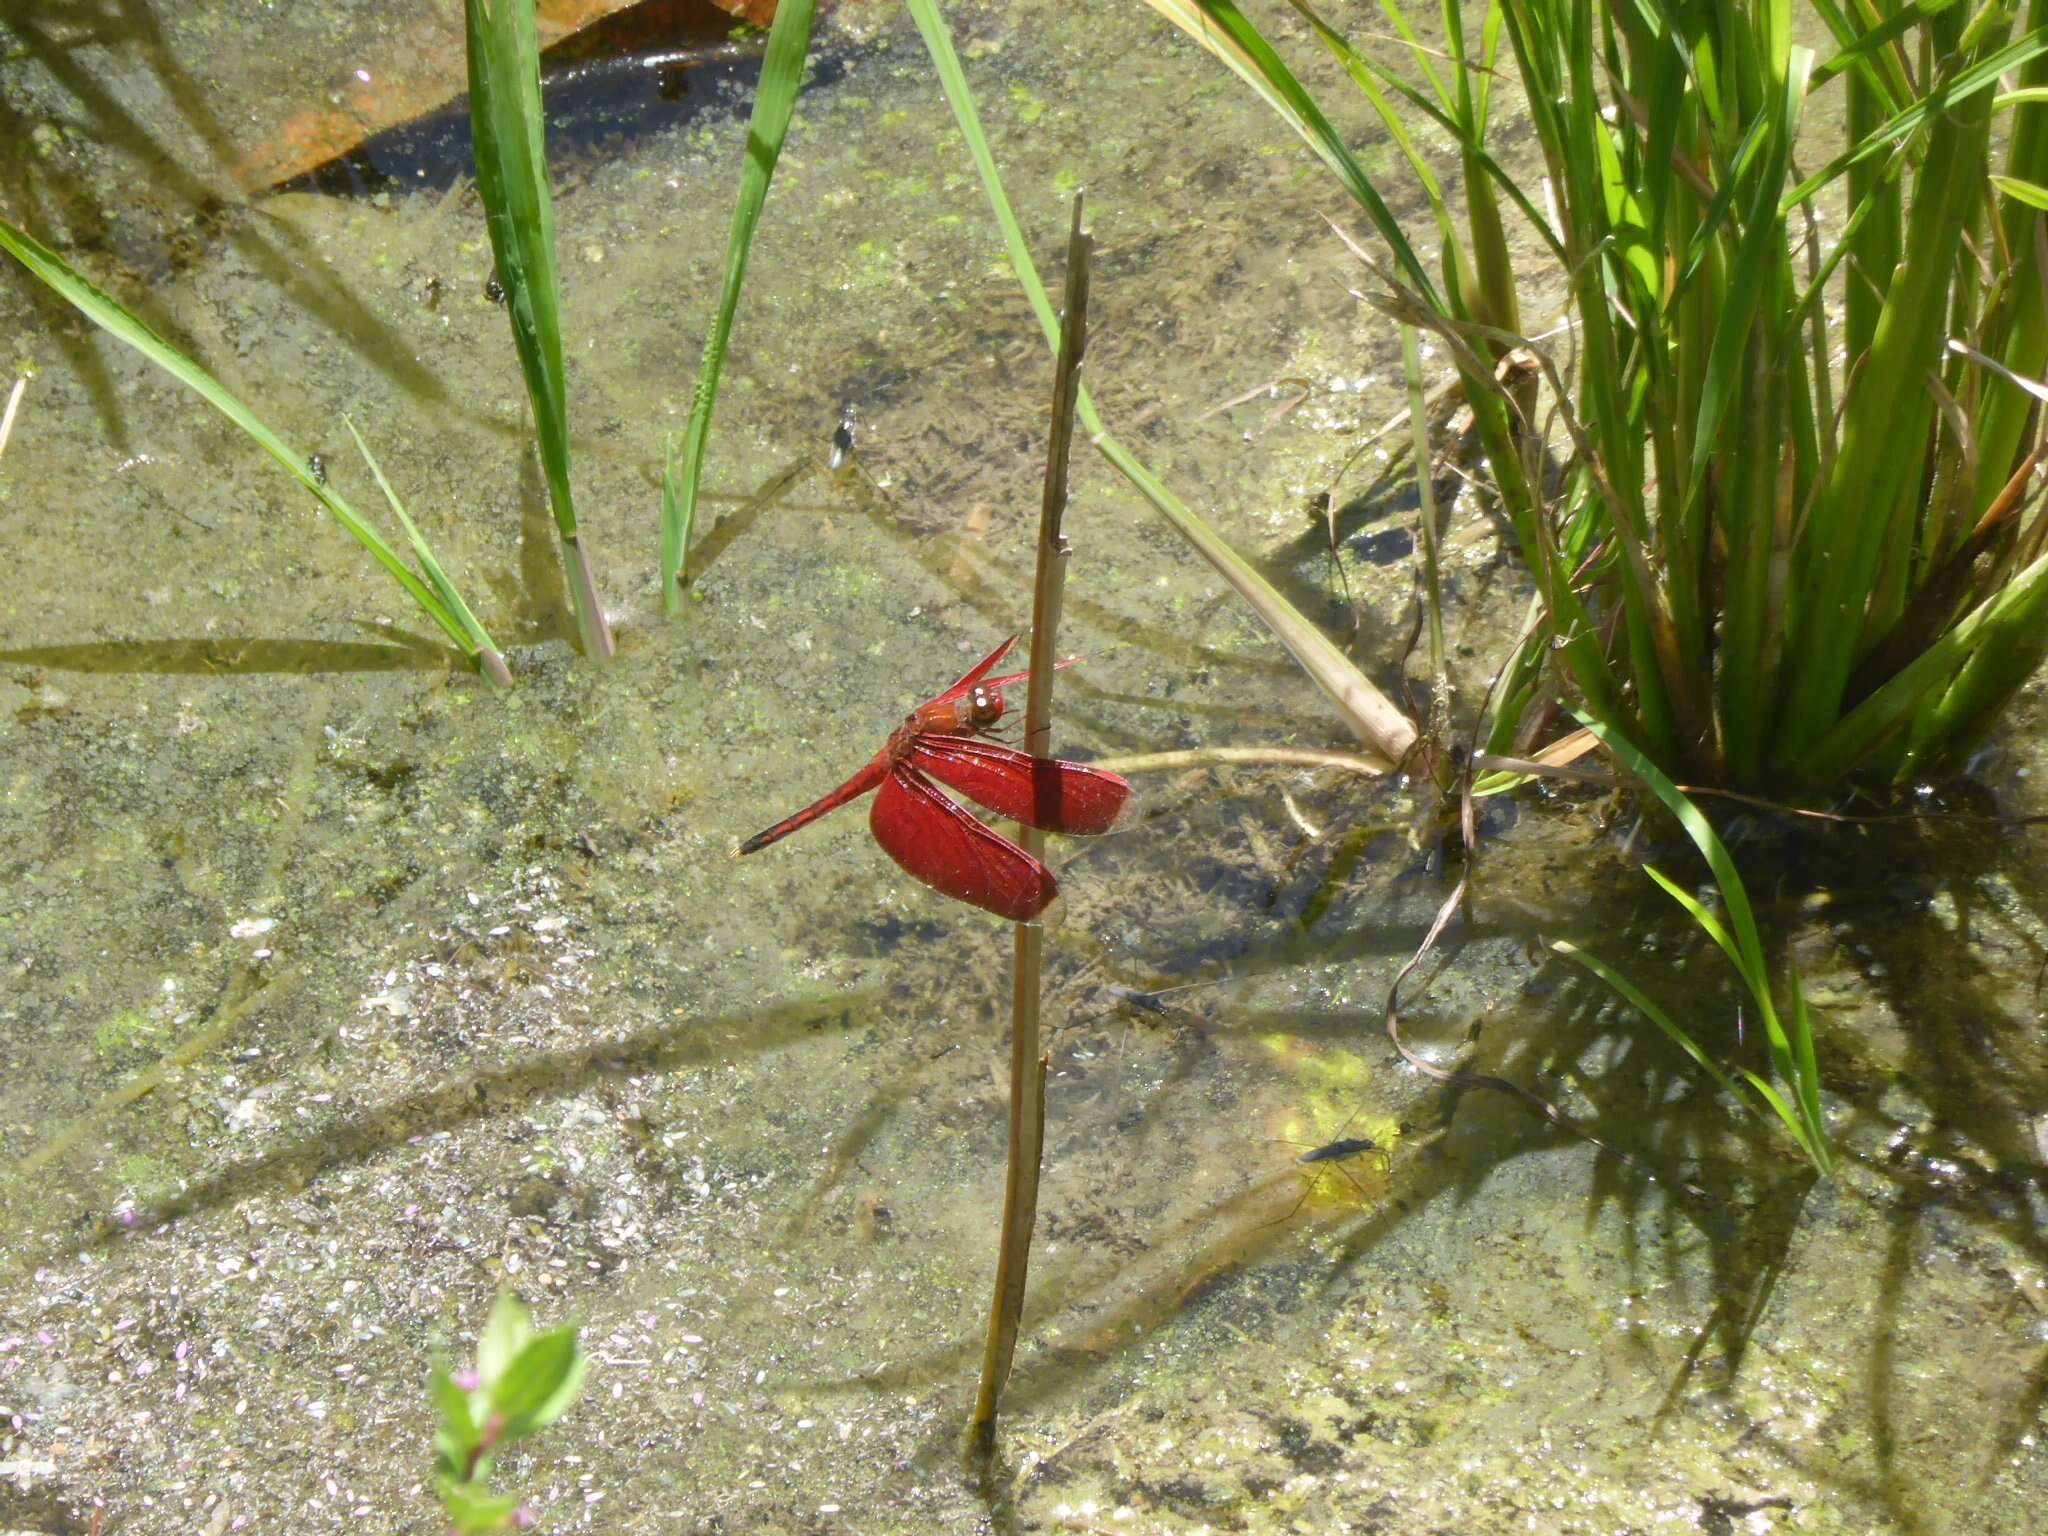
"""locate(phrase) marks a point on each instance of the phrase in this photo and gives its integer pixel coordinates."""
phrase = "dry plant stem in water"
(7, 419)
(1027, 1061)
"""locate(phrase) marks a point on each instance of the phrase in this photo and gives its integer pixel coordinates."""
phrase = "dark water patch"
(647, 70)
(1384, 546)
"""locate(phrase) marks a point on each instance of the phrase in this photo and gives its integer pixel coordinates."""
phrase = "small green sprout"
(523, 1381)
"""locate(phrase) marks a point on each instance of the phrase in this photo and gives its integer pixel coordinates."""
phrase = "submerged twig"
(1366, 764)
(1027, 1062)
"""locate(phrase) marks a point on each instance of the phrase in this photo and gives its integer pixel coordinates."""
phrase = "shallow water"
(342, 991)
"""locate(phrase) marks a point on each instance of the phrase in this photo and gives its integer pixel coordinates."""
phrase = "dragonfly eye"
(985, 708)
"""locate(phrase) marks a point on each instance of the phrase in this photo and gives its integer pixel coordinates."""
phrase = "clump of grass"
(1787, 534)
(436, 595)
(1768, 554)
(509, 134)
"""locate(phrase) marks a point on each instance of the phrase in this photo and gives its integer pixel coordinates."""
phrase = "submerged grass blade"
(509, 134)
(1793, 1057)
(489, 658)
(118, 322)
(782, 71)
(1369, 713)
(1253, 58)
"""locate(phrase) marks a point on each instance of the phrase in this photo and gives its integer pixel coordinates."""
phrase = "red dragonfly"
(932, 837)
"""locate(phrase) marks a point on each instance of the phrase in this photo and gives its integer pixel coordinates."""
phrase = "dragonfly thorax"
(971, 714)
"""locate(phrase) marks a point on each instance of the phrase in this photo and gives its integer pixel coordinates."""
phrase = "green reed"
(782, 72)
(509, 134)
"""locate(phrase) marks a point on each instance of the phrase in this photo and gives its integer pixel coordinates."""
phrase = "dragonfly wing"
(939, 844)
(1045, 792)
(978, 671)
(1018, 677)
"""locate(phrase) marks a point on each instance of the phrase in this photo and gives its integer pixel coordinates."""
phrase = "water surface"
(342, 991)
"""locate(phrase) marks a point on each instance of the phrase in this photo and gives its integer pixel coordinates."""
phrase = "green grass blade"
(2001, 620)
(1806, 1067)
(1256, 61)
(1793, 1118)
(1432, 573)
(782, 71)
(489, 659)
(1373, 83)
(1741, 920)
(1970, 671)
(1795, 1064)
(1366, 76)
(1698, 911)
(2033, 194)
(1981, 76)
(1785, 1112)
(1749, 287)
(1364, 708)
(508, 131)
(1876, 65)
(118, 322)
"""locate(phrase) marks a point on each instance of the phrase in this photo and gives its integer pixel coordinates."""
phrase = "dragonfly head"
(984, 708)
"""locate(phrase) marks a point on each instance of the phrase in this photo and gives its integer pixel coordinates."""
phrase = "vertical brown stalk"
(1027, 1061)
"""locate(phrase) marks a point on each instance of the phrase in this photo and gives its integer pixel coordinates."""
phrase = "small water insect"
(842, 439)
(936, 841)
(1334, 1154)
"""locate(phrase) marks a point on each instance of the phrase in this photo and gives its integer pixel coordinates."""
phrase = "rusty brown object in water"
(427, 68)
